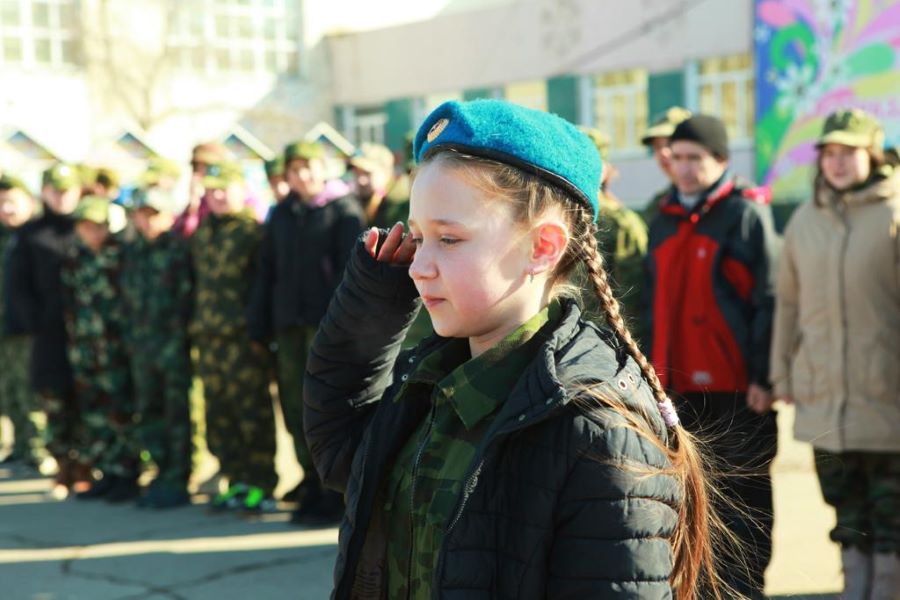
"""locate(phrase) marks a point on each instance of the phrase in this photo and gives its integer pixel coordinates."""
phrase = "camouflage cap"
(94, 209)
(275, 167)
(373, 157)
(155, 198)
(852, 127)
(9, 182)
(61, 176)
(210, 153)
(304, 150)
(159, 167)
(221, 175)
(408, 156)
(664, 124)
(600, 139)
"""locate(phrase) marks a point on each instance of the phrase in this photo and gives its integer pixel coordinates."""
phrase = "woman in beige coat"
(836, 345)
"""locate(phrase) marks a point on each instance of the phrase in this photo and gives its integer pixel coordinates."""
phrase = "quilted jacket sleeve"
(351, 359)
(615, 518)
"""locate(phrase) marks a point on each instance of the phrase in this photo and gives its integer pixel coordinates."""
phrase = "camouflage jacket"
(157, 285)
(427, 478)
(93, 311)
(6, 236)
(622, 238)
(224, 251)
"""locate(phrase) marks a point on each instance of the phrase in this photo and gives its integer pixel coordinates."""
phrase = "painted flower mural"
(813, 57)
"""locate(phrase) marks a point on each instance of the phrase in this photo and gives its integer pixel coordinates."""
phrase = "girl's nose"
(422, 267)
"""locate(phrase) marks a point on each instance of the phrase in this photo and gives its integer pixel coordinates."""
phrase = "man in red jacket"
(711, 259)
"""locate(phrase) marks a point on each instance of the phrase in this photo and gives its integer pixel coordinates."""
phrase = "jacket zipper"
(412, 498)
(844, 342)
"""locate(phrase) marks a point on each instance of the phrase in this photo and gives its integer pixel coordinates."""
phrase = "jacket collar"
(708, 199)
(878, 190)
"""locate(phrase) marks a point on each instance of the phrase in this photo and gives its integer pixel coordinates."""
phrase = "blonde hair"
(529, 197)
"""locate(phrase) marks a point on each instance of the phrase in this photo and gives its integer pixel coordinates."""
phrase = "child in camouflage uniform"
(157, 288)
(240, 422)
(16, 398)
(95, 322)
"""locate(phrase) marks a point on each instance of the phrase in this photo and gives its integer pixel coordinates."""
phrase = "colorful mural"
(813, 57)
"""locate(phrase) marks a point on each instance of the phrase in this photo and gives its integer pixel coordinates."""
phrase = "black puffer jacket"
(558, 503)
(301, 259)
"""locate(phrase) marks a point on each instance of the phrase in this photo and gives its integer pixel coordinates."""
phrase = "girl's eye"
(447, 241)
(416, 240)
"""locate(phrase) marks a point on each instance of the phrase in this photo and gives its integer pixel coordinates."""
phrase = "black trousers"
(741, 446)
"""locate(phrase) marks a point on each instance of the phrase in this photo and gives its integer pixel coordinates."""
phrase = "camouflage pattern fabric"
(622, 238)
(95, 323)
(17, 400)
(293, 348)
(864, 489)
(425, 484)
(157, 289)
(240, 421)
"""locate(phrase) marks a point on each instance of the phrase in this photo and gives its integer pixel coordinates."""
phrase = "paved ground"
(52, 550)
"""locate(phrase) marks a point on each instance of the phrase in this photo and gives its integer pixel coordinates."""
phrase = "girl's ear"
(549, 241)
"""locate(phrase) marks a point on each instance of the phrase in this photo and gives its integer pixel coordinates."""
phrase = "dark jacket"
(548, 509)
(711, 289)
(301, 258)
(35, 297)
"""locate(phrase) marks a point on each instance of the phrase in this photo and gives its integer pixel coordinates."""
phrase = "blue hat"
(534, 141)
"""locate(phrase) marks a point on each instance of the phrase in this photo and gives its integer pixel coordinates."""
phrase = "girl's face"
(472, 261)
(844, 166)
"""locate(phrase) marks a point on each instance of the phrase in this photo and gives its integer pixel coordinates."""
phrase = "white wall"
(532, 39)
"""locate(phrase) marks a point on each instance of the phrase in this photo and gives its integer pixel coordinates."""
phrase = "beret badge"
(436, 129)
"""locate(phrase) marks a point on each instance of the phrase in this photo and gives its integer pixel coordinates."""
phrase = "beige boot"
(857, 574)
(885, 576)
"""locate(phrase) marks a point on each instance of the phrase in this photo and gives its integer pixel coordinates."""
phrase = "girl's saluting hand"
(397, 248)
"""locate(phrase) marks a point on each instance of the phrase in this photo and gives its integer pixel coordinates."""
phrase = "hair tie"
(668, 412)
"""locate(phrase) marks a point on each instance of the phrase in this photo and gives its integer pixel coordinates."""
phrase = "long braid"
(593, 260)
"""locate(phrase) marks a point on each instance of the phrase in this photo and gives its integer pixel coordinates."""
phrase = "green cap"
(408, 156)
(8, 182)
(94, 209)
(275, 167)
(852, 127)
(154, 198)
(159, 167)
(373, 157)
(61, 176)
(664, 124)
(221, 175)
(600, 139)
(210, 153)
(304, 150)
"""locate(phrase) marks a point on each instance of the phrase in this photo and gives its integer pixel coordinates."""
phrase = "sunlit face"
(369, 182)
(471, 258)
(92, 234)
(305, 177)
(152, 223)
(279, 187)
(844, 166)
(226, 200)
(16, 207)
(694, 168)
(62, 202)
(662, 154)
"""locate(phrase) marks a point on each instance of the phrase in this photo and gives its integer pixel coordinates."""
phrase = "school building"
(111, 82)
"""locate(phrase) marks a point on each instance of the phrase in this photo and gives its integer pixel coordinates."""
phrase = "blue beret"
(536, 142)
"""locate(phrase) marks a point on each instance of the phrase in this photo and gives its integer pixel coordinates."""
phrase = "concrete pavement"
(88, 550)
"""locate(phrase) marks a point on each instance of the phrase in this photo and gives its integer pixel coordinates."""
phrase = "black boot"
(124, 490)
(99, 489)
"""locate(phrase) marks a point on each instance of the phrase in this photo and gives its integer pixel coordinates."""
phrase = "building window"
(41, 33)
(531, 94)
(368, 125)
(237, 36)
(620, 107)
(725, 89)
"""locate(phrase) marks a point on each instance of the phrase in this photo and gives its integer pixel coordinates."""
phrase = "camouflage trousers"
(106, 409)
(240, 420)
(864, 489)
(293, 348)
(161, 372)
(17, 400)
